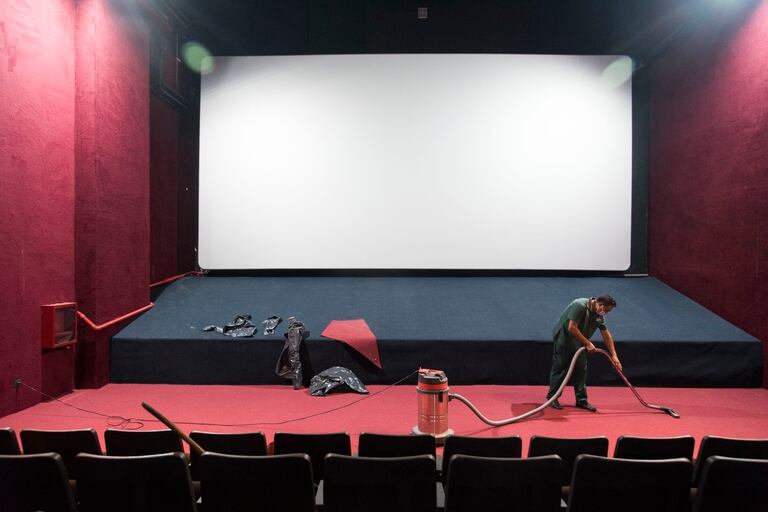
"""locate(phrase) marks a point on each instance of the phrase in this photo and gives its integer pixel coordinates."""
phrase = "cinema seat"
(240, 443)
(649, 448)
(142, 483)
(604, 484)
(729, 483)
(387, 445)
(499, 484)
(124, 443)
(241, 482)
(35, 482)
(317, 446)
(9, 445)
(67, 443)
(728, 447)
(376, 484)
(505, 447)
(567, 449)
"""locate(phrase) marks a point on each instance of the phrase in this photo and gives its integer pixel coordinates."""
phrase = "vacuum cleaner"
(434, 394)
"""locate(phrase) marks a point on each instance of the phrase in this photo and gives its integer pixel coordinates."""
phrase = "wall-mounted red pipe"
(170, 279)
(99, 327)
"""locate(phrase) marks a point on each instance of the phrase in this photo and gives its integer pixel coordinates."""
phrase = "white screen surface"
(415, 162)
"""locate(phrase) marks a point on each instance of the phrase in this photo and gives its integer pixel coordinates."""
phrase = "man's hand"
(590, 346)
(616, 362)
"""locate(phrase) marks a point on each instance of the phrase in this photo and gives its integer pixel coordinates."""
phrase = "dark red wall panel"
(708, 200)
(164, 200)
(36, 191)
(112, 178)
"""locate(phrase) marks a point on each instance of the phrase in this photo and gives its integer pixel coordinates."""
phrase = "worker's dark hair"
(607, 300)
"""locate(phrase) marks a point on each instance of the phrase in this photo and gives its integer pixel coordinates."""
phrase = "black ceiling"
(639, 28)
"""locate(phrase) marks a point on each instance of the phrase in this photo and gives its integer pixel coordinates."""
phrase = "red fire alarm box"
(59, 324)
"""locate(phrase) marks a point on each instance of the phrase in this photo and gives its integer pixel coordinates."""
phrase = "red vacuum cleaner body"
(432, 395)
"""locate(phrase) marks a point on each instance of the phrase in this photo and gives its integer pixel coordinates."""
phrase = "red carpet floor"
(724, 412)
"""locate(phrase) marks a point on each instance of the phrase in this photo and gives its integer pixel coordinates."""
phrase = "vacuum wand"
(192, 444)
(667, 410)
(498, 423)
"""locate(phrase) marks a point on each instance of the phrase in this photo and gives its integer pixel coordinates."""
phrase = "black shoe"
(556, 405)
(586, 406)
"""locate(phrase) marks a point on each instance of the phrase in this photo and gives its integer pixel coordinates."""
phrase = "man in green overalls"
(576, 325)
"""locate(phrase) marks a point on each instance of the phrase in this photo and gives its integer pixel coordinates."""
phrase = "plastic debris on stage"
(240, 327)
(270, 324)
(338, 378)
(289, 362)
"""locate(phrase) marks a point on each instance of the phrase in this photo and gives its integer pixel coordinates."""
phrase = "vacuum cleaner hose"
(499, 423)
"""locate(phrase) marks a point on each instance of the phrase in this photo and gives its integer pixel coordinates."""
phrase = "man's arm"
(608, 339)
(573, 330)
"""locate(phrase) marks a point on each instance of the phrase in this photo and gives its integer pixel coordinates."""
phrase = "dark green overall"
(565, 346)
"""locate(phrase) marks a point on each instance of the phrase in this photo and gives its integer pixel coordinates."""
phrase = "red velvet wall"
(37, 188)
(708, 199)
(112, 175)
(74, 183)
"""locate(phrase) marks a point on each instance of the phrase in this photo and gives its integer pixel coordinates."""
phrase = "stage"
(479, 330)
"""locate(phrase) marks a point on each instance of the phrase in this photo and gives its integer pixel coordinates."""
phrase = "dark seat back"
(124, 443)
(240, 482)
(376, 484)
(600, 483)
(146, 483)
(493, 483)
(67, 443)
(728, 447)
(317, 446)
(729, 483)
(505, 447)
(649, 448)
(35, 482)
(567, 449)
(242, 443)
(388, 445)
(9, 445)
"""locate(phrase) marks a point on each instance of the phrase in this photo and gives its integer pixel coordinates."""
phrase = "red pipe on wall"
(168, 280)
(100, 327)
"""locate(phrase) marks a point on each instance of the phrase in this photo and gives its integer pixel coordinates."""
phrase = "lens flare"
(197, 57)
(617, 72)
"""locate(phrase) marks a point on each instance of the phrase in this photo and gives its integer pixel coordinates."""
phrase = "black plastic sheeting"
(289, 362)
(334, 377)
(270, 324)
(240, 327)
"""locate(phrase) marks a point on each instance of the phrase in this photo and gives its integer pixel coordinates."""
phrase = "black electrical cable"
(123, 423)
(138, 423)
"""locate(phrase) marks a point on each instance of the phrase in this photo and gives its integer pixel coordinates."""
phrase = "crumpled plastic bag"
(332, 378)
(289, 362)
(270, 324)
(240, 327)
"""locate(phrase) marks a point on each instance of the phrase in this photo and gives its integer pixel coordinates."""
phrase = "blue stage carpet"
(480, 330)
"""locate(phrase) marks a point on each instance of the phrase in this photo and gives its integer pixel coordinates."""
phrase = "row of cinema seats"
(310, 471)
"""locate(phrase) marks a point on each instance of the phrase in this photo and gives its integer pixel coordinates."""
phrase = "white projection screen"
(416, 161)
